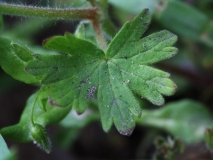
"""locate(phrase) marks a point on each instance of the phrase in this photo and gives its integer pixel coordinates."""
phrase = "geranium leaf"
(83, 71)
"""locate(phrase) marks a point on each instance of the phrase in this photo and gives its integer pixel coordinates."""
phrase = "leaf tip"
(79, 112)
(174, 36)
(175, 87)
(67, 33)
(126, 132)
(144, 13)
(161, 103)
(175, 52)
(45, 41)
(146, 10)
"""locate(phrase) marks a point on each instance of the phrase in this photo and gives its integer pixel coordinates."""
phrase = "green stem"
(33, 106)
(89, 13)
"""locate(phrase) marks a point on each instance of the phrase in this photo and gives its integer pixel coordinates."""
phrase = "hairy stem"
(97, 27)
(99, 35)
(89, 13)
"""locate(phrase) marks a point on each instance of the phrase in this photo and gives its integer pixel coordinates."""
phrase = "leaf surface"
(82, 71)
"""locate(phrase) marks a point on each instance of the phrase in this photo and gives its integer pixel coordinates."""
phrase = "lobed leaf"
(84, 71)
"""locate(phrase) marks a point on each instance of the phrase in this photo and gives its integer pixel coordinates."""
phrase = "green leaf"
(83, 70)
(6, 154)
(85, 31)
(21, 131)
(13, 58)
(186, 119)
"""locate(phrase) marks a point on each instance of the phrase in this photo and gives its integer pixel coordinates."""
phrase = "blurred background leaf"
(6, 154)
(135, 6)
(71, 126)
(174, 15)
(186, 119)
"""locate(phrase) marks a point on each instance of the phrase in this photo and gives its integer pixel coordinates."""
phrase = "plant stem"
(99, 35)
(149, 119)
(89, 13)
(33, 106)
(97, 27)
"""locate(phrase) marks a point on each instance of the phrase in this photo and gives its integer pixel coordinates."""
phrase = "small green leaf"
(80, 31)
(40, 137)
(13, 58)
(186, 119)
(5, 153)
(21, 131)
(85, 31)
(84, 71)
(42, 103)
